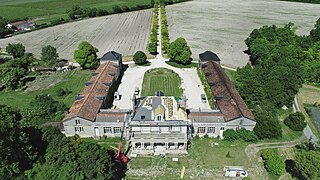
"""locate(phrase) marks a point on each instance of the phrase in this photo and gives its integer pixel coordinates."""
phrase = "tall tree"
(16, 50)
(3, 30)
(86, 56)
(308, 164)
(49, 54)
(179, 51)
(16, 152)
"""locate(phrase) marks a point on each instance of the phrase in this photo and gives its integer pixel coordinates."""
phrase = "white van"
(235, 171)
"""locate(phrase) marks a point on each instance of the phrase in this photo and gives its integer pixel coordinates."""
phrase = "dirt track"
(223, 25)
(125, 33)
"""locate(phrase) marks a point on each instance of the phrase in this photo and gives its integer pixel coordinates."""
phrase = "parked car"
(203, 98)
(235, 171)
(136, 91)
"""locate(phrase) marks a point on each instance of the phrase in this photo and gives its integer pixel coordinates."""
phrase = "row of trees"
(79, 12)
(164, 30)
(153, 40)
(13, 70)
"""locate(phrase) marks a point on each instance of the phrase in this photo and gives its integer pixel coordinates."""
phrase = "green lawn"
(73, 81)
(174, 64)
(43, 9)
(204, 161)
(161, 79)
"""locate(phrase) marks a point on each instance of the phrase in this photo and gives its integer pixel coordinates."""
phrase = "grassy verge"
(161, 79)
(207, 88)
(232, 75)
(174, 64)
(73, 81)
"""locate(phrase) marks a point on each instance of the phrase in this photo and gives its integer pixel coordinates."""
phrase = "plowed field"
(125, 33)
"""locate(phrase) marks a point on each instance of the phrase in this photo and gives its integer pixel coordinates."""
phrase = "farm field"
(125, 33)
(161, 79)
(46, 10)
(222, 25)
(205, 160)
(72, 81)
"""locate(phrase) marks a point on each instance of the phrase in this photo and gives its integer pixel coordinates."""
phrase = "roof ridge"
(94, 84)
(224, 79)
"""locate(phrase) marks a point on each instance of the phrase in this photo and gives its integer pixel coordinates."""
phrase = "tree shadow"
(290, 168)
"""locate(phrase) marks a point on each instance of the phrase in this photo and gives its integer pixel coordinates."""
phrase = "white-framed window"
(211, 129)
(77, 121)
(107, 130)
(222, 128)
(159, 117)
(78, 129)
(241, 122)
(116, 130)
(201, 130)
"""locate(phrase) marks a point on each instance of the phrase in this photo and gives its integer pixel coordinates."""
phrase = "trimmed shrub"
(140, 58)
(246, 135)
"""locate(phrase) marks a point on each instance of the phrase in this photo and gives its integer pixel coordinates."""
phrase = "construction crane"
(120, 157)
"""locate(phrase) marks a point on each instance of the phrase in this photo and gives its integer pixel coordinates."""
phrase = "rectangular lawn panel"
(163, 80)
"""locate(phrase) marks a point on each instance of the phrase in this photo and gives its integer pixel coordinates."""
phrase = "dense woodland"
(281, 61)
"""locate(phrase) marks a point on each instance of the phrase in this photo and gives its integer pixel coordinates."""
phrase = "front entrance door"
(96, 132)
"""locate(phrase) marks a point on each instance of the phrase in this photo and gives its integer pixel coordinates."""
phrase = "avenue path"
(133, 77)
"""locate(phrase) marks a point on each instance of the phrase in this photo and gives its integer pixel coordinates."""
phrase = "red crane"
(120, 157)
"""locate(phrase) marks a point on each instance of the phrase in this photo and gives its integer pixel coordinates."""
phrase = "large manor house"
(156, 124)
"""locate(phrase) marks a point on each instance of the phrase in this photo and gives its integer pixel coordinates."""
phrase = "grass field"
(46, 9)
(204, 161)
(161, 79)
(73, 81)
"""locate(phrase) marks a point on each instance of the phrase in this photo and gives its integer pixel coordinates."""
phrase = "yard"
(125, 33)
(46, 10)
(161, 79)
(47, 84)
(206, 159)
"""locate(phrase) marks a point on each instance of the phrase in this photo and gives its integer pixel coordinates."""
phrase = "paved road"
(133, 78)
(307, 130)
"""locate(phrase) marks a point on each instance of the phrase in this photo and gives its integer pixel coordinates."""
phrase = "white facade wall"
(85, 128)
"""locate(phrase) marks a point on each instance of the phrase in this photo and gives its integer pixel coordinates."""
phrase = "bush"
(230, 135)
(296, 121)
(246, 135)
(117, 9)
(273, 162)
(140, 58)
